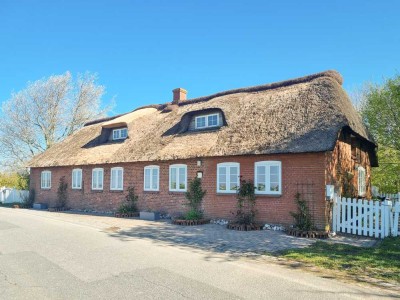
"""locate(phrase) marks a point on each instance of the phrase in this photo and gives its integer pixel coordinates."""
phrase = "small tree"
(62, 196)
(246, 201)
(195, 196)
(30, 199)
(302, 217)
(130, 205)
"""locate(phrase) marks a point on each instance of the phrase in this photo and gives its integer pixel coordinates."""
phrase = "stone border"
(127, 215)
(56, 209)
(314, 234)
(184, 222)
(244, 227)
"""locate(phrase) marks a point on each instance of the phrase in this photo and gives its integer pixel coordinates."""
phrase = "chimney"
(179, 95)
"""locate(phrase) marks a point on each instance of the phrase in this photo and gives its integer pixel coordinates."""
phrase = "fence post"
(343, 215)
(395, 229)
(387, 205)
(334, 220)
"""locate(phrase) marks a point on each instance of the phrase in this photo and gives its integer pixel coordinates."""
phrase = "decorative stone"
(219, 221)
(40, 206)
(149, 216)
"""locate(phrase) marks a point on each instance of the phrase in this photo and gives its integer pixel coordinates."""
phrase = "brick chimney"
(179, 95)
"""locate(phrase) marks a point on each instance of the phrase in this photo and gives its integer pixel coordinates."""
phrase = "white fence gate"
(366, 217)
(9, 195)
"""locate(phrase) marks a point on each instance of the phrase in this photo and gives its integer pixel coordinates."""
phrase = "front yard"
(381, 263)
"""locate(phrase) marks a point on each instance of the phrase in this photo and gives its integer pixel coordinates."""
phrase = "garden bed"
(244, 227)
(127, 215)
(184, 222)
(56, 209)
(315, 234)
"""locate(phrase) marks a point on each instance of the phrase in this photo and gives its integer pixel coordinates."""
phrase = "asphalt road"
(47, 257)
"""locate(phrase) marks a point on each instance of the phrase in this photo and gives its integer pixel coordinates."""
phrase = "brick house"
(293, 136)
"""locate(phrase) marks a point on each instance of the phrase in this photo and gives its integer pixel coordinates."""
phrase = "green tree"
(380, 109)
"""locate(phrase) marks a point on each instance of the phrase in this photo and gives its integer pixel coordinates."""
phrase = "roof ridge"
(269, 86)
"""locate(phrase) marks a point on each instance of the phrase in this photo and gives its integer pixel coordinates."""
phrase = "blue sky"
(141, 50)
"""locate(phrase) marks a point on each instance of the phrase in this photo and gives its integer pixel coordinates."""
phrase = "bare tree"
(46, 112)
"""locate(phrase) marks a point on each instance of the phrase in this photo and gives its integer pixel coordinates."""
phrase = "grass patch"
(379, 262)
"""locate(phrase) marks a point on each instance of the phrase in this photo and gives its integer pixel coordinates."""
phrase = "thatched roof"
(300, 115)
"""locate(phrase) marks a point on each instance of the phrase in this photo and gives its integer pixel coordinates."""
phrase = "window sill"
(116, 191)
(151, 192)
(96, 191)
(76, 189)
(226, 194)
(176, 192)
(45, 189)
(269, 195)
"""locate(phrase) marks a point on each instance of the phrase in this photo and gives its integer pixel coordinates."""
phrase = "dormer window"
(207, 121)
(120, 134)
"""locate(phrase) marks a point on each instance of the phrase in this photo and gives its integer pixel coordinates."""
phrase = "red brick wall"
(304, 173)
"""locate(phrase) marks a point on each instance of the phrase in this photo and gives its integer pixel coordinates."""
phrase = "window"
(361, 181)
(117, 179)
(268, 177)
(177, 178)
(228, 175)
(45, 182)
(151, 178)
(120, 134)
(97, 179)
(76, 179)
(207, 121)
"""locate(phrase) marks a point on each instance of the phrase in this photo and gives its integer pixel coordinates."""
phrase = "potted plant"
(128, 208)
(246, 212)
(194, 196)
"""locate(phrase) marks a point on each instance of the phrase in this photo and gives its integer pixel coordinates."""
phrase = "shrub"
(62, 196)
(30, 199)
(246, 201)
(303, 217)
(195, 196)
(130, 204)
(194, 215)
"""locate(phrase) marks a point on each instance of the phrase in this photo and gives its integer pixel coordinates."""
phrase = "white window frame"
(116, 188)
(117, 134)
(152, 168)
(267, 164)
(44, 181)
(206, 125)
(362, 185)
(96, 188)
(177, 167)
(75, 185)
(228, 165)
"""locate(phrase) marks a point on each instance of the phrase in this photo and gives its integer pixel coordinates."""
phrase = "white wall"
(9, 195)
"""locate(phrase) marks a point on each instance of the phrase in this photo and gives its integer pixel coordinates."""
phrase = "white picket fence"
(366, 217)
(392, 197)
(10, 195)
